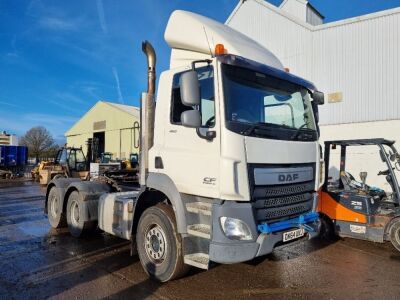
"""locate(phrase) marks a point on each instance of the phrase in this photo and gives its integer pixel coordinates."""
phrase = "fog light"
(235, 229)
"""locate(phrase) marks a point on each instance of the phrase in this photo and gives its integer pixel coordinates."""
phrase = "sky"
(58, 58)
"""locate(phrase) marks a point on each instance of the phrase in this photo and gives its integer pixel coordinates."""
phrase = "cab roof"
(193, 37)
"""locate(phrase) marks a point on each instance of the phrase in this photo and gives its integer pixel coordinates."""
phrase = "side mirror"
(318, 97)
(191, 118)
(190, 88)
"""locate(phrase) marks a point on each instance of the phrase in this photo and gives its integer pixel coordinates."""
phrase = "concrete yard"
(39, 262)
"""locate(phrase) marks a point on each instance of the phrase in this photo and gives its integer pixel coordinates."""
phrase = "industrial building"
(115, 126)
(355, 62)
(8, 139)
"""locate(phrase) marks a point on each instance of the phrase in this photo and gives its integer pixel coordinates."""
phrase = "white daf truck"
(229, 161)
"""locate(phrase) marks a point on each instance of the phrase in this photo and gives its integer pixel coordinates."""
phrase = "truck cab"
(245, 145)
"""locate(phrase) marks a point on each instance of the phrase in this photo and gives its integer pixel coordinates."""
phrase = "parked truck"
(229, 158)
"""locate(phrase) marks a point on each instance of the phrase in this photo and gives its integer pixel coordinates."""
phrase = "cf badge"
(209, 180)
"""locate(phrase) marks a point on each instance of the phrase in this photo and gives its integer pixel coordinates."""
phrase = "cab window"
(207, 106)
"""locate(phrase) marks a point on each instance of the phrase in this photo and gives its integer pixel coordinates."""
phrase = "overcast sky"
(58, 58)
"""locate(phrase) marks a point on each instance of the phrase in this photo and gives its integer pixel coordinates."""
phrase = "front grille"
(273, 203)
(289, 200)
(284, 211)
(282, 190)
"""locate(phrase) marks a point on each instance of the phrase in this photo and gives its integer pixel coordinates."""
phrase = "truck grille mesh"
(285, 211)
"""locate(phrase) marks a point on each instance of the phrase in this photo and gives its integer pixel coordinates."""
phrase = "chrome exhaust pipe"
(147, 113)
(148, 49)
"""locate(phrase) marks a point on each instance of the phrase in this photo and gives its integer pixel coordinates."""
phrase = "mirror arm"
(208, 61)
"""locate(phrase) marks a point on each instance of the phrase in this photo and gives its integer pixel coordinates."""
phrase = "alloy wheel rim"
(155, 244)
(75, 213)
(54, 206)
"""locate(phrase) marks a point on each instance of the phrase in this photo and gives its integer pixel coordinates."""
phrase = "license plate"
(294, 234)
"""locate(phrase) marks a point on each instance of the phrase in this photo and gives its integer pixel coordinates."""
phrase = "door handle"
(173, 131)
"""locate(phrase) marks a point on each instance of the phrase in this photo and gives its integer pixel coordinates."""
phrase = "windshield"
(262, 105)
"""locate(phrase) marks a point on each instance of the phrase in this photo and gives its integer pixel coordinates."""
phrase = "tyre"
(59, 176)
(327, 229)
(394, 233)
(76, 224)
(159, 244)
(57, 218)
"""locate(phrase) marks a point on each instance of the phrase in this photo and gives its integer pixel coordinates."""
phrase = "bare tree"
(39, 142)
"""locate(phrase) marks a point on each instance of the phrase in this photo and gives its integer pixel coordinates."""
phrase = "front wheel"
(327, 227)
(394, 233)
(159, 244)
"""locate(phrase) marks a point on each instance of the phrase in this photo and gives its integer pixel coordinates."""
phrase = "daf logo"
(288, 177)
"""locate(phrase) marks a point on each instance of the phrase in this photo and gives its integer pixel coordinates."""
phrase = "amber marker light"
(220, 49)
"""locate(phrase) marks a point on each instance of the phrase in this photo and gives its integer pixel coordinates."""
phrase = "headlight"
(235, 229)
(321, 172)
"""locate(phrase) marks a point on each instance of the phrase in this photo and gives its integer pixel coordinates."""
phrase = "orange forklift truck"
(351, 208)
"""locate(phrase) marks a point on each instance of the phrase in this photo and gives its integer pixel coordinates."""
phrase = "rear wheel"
(394, 233)
(75, 217)
(159, 244)
(57, 218)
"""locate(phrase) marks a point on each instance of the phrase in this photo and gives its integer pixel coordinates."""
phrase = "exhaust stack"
(147, 112)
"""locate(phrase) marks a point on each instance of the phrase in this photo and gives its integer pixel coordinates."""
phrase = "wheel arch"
(160, 188)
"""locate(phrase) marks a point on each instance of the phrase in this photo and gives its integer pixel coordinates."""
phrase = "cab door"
(191, 161)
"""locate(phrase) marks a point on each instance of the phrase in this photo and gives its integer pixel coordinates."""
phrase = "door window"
(207, 106)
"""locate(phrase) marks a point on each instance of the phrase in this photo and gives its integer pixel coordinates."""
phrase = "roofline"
(66, 133)
(375, 15)
(234, 11)
(111, 104)
(105, 102)
(275, 9)
(304, 24)
(315, 10)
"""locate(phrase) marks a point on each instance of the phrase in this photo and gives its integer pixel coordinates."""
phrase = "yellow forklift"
(351, 208)
(69, 162)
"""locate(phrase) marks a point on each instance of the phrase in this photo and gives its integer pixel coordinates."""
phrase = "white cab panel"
(267, 151)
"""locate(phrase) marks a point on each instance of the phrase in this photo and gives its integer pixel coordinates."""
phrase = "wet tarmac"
(39, 262)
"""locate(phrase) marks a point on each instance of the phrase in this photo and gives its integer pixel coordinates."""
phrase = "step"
(199, 208)
(200, 230)
(199, 260)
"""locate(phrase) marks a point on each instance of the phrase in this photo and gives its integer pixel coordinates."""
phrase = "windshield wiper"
(265, 127)
(300, 129)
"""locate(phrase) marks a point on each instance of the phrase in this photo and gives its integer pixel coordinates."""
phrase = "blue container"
(22, 156)
(2, 156)
(11, 156)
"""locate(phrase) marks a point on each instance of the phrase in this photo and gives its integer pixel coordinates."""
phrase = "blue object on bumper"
(300, 221)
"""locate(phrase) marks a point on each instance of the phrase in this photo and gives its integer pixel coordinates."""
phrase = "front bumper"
(265, 237)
